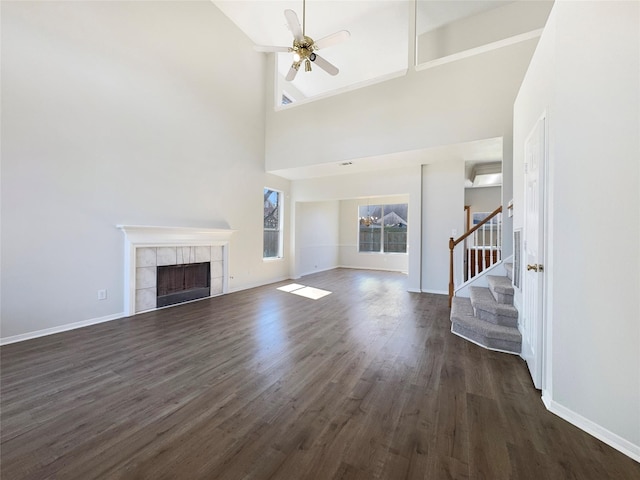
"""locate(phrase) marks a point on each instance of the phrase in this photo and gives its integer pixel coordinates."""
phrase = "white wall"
(467, 100)
(122, 113)
(349, 231)
(387, 183)
(535, 99)
(317, 236)
(442, 214)
(490, 26)
(586, 75)
(485, 199)
(507, 194)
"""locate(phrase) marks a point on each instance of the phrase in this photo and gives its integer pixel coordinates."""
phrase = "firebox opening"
(182, 283)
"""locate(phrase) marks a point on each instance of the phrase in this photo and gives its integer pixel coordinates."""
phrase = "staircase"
(488, 318)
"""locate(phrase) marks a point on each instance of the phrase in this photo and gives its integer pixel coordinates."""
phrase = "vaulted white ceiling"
(379, 43)
(378, 48)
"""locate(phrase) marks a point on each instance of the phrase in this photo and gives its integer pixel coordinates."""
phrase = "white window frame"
(381, 251)
(279, 229)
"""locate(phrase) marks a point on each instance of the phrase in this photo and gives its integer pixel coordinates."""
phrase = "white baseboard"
(259, 284)
(92, 321)
(436, 292)
(615, 441)
(414, 290)
(61, 328)
(356, 267)
(318, 271)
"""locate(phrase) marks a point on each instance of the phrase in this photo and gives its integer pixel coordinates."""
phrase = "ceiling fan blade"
(266, 48)
(323, 64)
(292, 72)
(294, 25)
(332, 39)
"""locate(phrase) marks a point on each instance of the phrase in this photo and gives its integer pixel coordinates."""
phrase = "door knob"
(535, 268)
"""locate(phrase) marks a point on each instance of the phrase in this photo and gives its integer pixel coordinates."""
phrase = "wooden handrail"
(453, 243)
(470, 232)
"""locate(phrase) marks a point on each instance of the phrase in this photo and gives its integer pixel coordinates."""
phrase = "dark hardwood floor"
(365, 383)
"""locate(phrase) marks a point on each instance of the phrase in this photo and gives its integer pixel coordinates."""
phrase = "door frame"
(543, 347)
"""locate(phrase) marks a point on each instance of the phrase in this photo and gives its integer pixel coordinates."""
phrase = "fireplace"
(182, 283)
(197, 261)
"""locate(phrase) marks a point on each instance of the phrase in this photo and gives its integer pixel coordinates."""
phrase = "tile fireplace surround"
(148, 247)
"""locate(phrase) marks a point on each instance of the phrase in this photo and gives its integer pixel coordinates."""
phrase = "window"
(272, 238)
(383, 228)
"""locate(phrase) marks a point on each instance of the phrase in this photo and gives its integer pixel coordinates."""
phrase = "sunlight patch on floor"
(303, 291)
(291, 287)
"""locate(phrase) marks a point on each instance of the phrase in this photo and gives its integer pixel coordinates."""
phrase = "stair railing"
(482, 250)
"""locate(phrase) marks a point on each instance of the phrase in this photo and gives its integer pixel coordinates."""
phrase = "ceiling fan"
(304, 47)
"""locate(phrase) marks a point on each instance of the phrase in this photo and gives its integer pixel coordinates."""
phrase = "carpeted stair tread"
(481, 299)
(461, 307)
(485, 307)
(500, 284)
(501, 289)
(486, 334)
(462, 312)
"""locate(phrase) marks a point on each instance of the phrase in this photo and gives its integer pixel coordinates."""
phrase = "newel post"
(451, 247)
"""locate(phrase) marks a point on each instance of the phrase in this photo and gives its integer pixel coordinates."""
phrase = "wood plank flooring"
(365, 383)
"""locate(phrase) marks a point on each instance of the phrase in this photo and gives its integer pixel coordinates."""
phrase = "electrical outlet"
(102, 294)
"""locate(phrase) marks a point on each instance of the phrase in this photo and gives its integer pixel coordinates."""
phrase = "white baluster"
(484, 247)
(468, 256)
(491, 241)
(499, 239)
(475, 253)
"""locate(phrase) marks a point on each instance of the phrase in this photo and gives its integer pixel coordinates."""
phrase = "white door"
(533, 236)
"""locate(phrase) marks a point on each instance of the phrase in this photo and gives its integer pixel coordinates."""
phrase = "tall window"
(383, 228)
(272, 238)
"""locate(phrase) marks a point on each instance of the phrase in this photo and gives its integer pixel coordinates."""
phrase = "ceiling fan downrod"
(304, 16)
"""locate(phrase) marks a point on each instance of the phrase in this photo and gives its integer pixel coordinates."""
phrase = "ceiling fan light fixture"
(303, 46)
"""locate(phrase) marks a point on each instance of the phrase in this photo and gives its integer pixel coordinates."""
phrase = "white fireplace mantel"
(141, 236)
(150, 235)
